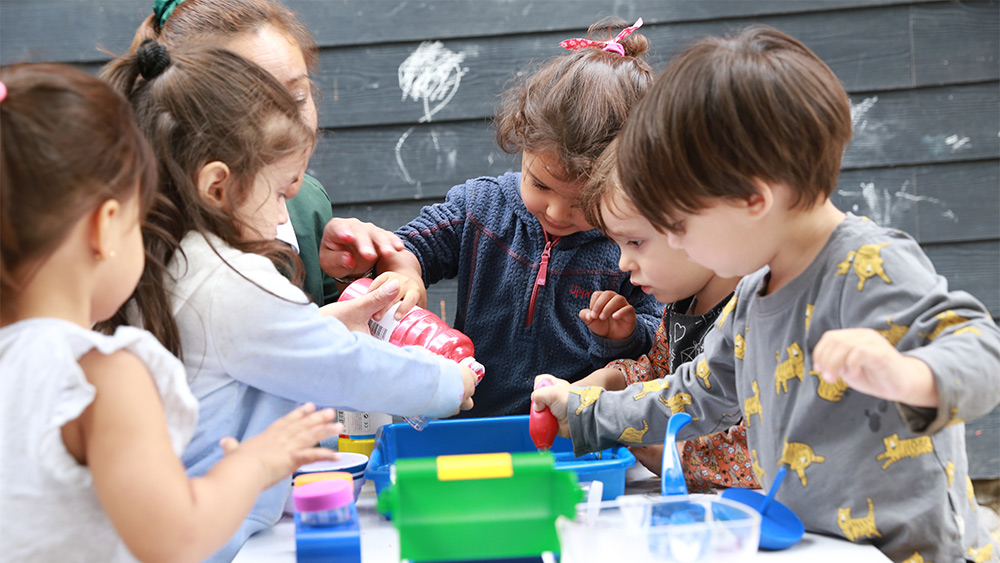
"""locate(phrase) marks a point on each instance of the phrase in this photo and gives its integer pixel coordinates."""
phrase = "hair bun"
(152, 59)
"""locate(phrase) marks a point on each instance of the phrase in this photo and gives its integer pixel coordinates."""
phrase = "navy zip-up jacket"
(520, 291)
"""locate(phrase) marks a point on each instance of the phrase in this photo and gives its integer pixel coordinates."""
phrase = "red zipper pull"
(543, 266)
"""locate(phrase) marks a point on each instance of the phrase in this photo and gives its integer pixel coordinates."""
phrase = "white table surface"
(380, 541)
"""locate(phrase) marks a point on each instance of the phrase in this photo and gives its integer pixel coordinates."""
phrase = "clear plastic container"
(324, 503)
(642, 529)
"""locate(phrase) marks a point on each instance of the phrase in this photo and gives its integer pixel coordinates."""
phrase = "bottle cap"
(475, 366)
(323, 495)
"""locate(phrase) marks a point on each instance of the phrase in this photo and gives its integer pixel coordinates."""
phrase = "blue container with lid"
(492, 435)
(326, 523)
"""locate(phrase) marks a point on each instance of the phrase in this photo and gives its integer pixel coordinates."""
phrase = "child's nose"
(625, 263)
(283, 214)
(561, 211)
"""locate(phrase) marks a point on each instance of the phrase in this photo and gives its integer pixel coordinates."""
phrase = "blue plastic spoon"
(780, 528)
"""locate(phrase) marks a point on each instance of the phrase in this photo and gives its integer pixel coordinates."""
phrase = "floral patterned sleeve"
(718, 460)
(653, 365)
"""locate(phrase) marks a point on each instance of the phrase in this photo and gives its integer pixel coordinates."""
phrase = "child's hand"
(610, 315)
(288, 443)
(356, 312)
(556, 397)
(351, 247)
(867, 362)
(412, 292)
(469, 382)
(651, 457)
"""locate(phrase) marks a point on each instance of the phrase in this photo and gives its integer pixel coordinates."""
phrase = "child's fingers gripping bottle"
(419, 327)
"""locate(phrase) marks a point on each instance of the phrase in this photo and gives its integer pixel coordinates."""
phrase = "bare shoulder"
(121, 361)
(121, 367)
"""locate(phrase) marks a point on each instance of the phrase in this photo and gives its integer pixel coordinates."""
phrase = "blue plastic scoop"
(672, 474)
(780, 528)
(682, 544)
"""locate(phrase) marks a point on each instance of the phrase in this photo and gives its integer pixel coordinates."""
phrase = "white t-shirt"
(49, 510)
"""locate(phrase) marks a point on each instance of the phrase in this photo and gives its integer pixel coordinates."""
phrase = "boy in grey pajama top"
(852, 363)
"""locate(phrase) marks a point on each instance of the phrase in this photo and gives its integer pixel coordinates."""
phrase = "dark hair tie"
(152, 59)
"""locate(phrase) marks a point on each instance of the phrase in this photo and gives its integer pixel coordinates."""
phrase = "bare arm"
(159, 512)
(611, 379)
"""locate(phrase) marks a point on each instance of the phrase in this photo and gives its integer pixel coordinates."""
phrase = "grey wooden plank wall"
(409, 88)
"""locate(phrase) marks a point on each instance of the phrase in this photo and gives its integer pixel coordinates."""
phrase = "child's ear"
(213, 181)
(102, 232)
(761, 201)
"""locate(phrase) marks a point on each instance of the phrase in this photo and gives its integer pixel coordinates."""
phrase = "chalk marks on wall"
(957, 142)
(885, 207)
(871, 133)
(431, 75)
(859, 111)
(940, 144)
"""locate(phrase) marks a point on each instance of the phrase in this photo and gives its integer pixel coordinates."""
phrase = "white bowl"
(350, 462)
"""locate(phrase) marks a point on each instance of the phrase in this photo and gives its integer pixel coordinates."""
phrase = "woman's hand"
(351, 247)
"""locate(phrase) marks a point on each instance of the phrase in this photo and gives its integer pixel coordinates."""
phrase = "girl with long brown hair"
(232, 148)
(92, 425)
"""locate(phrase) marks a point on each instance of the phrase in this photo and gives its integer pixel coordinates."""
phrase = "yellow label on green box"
(474, 466)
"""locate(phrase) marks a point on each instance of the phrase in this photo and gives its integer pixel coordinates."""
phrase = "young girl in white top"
(232, 148)
(92, 425)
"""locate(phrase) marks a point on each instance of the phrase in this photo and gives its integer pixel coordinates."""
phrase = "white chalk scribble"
(858, 112)
(957, 142)
(886, 208)
(430, 75)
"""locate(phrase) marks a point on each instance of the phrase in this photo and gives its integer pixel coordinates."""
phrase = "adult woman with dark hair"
(270, 34)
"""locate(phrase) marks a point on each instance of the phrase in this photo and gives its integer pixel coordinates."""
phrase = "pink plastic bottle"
(419, 327)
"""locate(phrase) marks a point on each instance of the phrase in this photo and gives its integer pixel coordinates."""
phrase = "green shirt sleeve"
(310, 210)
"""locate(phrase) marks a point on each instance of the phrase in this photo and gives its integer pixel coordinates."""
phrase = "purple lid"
(323, 495)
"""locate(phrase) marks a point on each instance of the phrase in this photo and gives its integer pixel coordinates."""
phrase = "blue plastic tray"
(491, 435)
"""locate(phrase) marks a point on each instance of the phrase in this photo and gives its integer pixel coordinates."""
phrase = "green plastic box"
(478, 506)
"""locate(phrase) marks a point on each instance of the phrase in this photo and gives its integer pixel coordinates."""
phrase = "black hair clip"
(152, 59)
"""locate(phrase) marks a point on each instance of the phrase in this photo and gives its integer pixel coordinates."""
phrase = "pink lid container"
(330, 494)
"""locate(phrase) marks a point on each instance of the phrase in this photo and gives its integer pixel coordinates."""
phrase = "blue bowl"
(491, 435)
